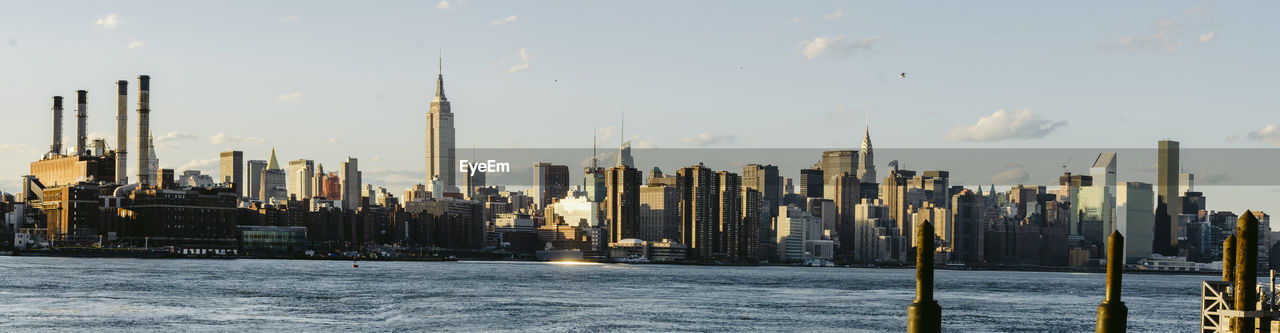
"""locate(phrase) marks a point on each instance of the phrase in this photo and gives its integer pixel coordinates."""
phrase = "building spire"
(440, 79)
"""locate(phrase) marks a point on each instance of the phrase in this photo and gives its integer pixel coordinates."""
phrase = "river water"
(42, 293)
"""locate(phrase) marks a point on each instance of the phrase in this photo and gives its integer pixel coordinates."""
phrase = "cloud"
(288, 97)
(835, 46)
(1016, 174)
(505, 20)
(841, 113)
(444, 4)
(134, 45)
(334, 140)
(376, 159)
(169, 140)
(204, 164)
(289, 19)
(1005, 125)
(1163, 38)
(18, 148)
(1269, 134)
(224, 138)
(392, 178)
(523, 65)
(707, 139)
(834, 16)
(795, 21)
(109, 21)
(606, 134)
(1150, 168)
(1208, 37)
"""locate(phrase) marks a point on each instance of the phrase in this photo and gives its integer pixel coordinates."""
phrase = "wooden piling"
(1113, 315)
(924, 314)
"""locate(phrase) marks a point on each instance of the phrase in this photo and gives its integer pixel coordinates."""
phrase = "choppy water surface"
(259, 295)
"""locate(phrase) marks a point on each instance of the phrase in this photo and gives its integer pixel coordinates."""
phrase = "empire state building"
(440, 139)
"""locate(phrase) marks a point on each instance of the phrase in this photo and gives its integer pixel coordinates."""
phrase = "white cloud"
(334, 140)
(834, 16)
(289, 19)
(1269, 134)
(134, 45)
(505, 20)
(523, 65)
(204, 164)
(1163, 38)
(392, 178)
(835, 46)
(606, 134)
(444, 4)
(18, 148)
(1005, 125)
(289, 97)
(1208, 37)
(841, 113)
(376, 158)
(707, 139)
(169, 140)
(795, 21)
(1016, 174)
(224, 138)
(109, 21)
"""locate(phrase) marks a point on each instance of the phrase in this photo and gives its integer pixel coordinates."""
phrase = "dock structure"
(1113, 315)
(1238, 303)
(924, 314)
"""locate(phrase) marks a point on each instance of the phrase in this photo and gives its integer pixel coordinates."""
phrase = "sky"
(326, 80)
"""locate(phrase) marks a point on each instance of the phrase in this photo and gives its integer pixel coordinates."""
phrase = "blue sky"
(326, 80)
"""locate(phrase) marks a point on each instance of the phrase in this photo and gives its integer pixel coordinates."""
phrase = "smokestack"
(122, 132)
(81, 116)
(56, 148)
(144, 129)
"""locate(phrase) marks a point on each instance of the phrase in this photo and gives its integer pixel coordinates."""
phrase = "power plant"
(96, 163)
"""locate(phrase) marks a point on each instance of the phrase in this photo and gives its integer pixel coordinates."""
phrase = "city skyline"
(279, 101)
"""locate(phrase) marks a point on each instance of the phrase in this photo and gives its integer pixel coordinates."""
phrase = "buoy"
(355, 263)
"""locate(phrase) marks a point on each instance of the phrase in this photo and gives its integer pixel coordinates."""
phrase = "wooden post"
(924, 314)
(1246, 269)
(1113, 315)
(1229, 258)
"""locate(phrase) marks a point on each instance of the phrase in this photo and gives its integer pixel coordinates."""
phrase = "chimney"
(56, 148)
(122, 132)
(145, 176)
(81, 116)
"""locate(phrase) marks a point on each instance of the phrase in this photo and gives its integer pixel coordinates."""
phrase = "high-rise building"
(835, 162)
(622, 203)
(301, 172)
(1186, 182)
(659, 213)
(624, 155)
(253, 183)
(876, 238)
(1135, 219)
(1094, 214)
(231, 167)
(846, 194)
(968, 230)
(550, 182)
(274, 181)
(1167, 192)
(732, 232)
(332, 186)
(866, 161)
(811, 183)
(754, 214)
(698, 210)
(350, 174)
(793, 226)
(765, 181)
(440, 138)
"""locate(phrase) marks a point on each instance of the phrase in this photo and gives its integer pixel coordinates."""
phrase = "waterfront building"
(1135, 220)
(764, 179)
(350, 180)
(622, 203)
(967, 219)
(659, 213)
(253, 183)
(698, 224)
(792, 227)
(1167, 195)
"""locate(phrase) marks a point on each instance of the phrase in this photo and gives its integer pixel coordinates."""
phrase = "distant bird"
(902, 75)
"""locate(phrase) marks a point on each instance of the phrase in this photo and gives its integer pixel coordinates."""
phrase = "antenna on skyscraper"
(593, 149)
(622, 136)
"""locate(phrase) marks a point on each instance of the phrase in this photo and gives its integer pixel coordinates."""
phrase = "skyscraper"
(729, 215)
(232, 170)
(301, 185)
(811, 183)
(659, 213)
(440, 138)
(350, 184)
(274, 181)
(1135, 219)
(866, 161)
(550, 182)
(622, 203)
(1167, 191)
(835, 162)
(765, 181)
(697, 186)
(967, 227)
(253, 183)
